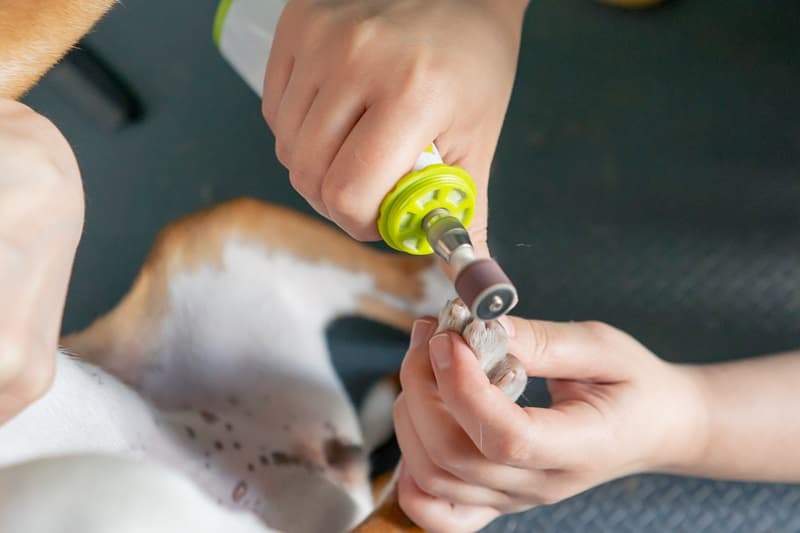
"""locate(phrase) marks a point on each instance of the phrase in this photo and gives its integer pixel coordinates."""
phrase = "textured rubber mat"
(666, 504)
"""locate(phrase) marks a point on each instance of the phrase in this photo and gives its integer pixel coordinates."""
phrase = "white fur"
(239, 396)
(245, 342)
(376, 414)
(99, 494)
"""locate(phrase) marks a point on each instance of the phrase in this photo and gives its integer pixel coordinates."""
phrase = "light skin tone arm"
(354, 91)
(470, 454)
(752, 427)
(41, 218)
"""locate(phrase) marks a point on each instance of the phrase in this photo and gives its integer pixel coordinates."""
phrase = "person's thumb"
(569, 350)
(478, 166)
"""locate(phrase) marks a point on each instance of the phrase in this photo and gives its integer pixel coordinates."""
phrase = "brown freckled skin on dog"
(286, 427)
(207, 465)
(208, 416)
(218, 445)
(207, 454)
(190, 432)
(284, 459)
(228, 426)
(233, 400)
(250, 467)
(239, 491)
(236, 445)
(340, 455)
(263, 460)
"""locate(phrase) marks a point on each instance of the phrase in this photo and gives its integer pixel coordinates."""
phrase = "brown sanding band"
(477, 277)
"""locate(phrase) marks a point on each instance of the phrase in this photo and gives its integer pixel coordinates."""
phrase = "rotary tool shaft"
(480, 283)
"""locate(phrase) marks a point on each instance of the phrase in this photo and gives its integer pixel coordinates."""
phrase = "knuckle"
(29, 381)
(600, 330)
(13, 361)
(547, 496)
(445, 452)
(338, 200)
(507, 449)
(36, 143)
(423, 79)
(283, 152)
(430, 484)
(38, 379)
(346, 206)
(540, 337)
(359, 34)
(302, 181)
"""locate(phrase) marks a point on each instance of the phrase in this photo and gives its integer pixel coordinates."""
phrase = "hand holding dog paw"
(471, 454)
(41, 218)
(354, 92)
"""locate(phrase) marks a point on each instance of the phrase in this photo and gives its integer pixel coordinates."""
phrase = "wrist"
(686, 434)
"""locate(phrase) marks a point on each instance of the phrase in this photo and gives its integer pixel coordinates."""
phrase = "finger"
(41, 199)
(477, 162)
(296, 101)
(278, 71)
(505, 433)
(445, 443)
(380, 149)
(332, 115)
(436, 515)
(432, 479)
(573, 350)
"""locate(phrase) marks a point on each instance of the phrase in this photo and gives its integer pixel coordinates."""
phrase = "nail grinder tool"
(428, 212)
(429, 209)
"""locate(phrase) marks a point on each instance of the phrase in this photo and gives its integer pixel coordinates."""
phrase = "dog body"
(218, 369)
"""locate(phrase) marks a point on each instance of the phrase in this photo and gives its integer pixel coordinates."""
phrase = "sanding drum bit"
(480, 283)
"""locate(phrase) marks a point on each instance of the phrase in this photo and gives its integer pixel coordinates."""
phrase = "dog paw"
(489, 341)
(454, 316)
(509, 375)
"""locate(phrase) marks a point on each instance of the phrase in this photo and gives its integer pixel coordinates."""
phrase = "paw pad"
(489, 341)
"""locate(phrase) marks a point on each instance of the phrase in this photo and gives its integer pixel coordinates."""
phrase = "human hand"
(41, 218)
(470, 454)
(354, 91)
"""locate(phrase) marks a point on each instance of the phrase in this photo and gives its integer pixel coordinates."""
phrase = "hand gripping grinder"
(429, 208)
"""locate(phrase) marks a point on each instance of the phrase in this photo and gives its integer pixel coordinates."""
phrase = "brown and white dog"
(206, 399)
(209, 388)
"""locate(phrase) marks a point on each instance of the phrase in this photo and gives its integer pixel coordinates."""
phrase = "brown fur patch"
(119, 340)
(35, 34)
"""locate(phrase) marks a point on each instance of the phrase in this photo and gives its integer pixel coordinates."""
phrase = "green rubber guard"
(418, 193)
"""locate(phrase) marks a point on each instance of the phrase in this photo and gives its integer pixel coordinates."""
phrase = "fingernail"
(441, 350)
(420, 332)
